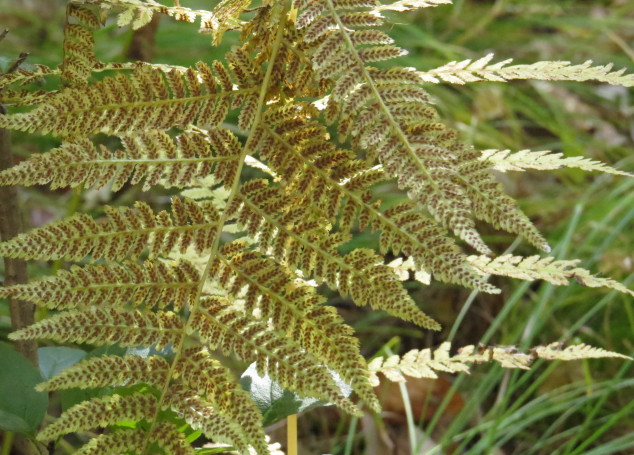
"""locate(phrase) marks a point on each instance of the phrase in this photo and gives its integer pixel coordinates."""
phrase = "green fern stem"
(196, 306)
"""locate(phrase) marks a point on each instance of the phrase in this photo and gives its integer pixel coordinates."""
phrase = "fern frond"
(23, 76)
(138, 13)
(201, 415)
(557, 272)
(295, 309)
(79, 42)
(149, 98)
(374, 106)
(480, 70)
(222, 326)
(109, 371)
(505, 160)
(100, 412)
(125, 233)
(208, 377)
(426, 363)
(299, 241)
(107, 326)
(409, 5)
(153, 284)
(300, 154)
(151, 155)
(119, 442)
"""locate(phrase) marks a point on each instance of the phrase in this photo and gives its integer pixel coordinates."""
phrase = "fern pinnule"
(79, 42)
(106, 326)
(109, 371)
(153, 284)
(125, 233)
(100, 412)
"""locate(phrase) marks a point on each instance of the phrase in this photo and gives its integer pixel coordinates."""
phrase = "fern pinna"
(230, 266)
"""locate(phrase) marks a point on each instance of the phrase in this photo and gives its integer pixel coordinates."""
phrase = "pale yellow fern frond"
(505, 160)
(427, 363)
(557, 272)
(462, 72)
(409, 5)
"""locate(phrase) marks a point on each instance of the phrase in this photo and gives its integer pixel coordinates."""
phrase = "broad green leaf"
(22, 408)
(55, 359)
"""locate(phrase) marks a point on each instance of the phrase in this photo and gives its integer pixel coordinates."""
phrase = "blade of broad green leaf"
(55, 359)
(21, 407)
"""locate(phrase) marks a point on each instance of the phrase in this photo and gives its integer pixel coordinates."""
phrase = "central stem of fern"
(281, 9)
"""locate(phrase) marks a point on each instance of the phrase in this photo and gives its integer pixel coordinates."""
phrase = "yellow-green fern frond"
(505, 160)
(299, 240)
(209, 378)
(481, 70)
(224, 327)
(100, 412)
(557, 272)
(153, 284)
(426, 363)
(138, 13)
(110, 371)
(296, 309)
(125, 233)
(150, 155)
(374, 107)
(149, 98)
(332, 180)
(107, 326)
(79, 42)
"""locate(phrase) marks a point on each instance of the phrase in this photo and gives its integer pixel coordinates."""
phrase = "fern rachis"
(229, 268)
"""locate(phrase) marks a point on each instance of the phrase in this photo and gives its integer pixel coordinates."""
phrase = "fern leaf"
(480, 70)
(120, 442)
(138, 13)
(107, 326)
(79, 42)
(504, 160)
(109, 371)
(200, 415)
(100, 412)
(221, 326)
(207, 376)
(311, 164)
(125, 233)
(557, 272)
(153, 285)
(151, 155)
(430, 164)
(149, 98)
(290, 231)
(409, 5)
(294, 308)
(426, 363)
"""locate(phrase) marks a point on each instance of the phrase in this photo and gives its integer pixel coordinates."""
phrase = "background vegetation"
(579, 408)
